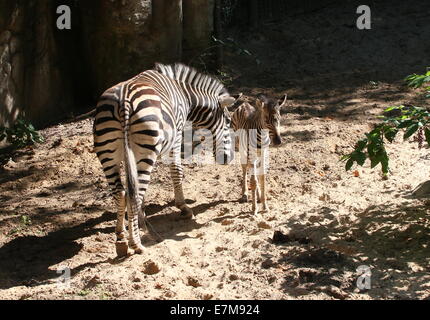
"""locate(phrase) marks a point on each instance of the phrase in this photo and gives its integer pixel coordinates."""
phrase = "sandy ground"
(56, 211)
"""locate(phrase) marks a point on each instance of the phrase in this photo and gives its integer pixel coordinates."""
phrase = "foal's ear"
(283, 102)
(259, 104)
(238, 96)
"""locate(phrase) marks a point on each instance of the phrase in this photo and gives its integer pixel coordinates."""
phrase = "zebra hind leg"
(121, 242)
(245, 196)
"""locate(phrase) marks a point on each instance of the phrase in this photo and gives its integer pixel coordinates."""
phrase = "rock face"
(47, 74)
(11, 61)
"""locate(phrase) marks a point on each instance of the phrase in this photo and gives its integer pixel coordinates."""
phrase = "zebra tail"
(133, 205)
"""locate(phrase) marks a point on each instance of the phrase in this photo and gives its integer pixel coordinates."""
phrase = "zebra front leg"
(245, 196)
(263, 198)
(121, 239)
(178, 177)
(258, 192)
(254, 188)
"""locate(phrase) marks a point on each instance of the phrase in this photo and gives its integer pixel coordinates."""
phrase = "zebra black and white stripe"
(142, 119)
(256, 128)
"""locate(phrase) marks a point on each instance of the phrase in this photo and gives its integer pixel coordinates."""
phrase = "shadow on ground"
(26, 260)
(392, 241)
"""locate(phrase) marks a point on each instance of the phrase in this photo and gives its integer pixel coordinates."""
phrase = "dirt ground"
(56, 210)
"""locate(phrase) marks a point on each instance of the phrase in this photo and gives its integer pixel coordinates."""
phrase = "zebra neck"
(257, 119)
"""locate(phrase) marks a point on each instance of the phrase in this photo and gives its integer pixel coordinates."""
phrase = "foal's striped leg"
(254, 189)
(245, 193)
(263, 199)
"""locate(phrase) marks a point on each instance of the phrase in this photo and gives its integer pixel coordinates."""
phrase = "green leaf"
(427, 135)
(349, 164)
(393, 108)
(361, 158)
(404, 124)
(375, 161)
(361, 144)
(390, 134)
(346, 157)
(411, 130)
(385, 162)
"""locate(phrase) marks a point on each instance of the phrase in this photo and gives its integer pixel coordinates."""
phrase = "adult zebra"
(142, 119)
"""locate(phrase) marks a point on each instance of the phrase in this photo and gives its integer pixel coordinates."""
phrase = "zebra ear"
(259, 104)
(283, 102)
(226, 101)
(238, 96)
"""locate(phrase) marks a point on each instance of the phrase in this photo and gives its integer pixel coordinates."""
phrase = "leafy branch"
(21, 134)
(409, 119)
(228, 44)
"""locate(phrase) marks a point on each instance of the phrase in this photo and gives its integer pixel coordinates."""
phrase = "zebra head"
(271, 110)
(223, 135)
(217, 121)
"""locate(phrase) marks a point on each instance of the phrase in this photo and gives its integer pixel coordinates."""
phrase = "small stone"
(151, 268)
(234, 277)
(267, 264)
(264, 225)
(324, 198)
(337, 293)
(280, 238)
(192, 282)
(256, 244)
(94, 281)
(300, 292)
(137, 286)
(226, 222)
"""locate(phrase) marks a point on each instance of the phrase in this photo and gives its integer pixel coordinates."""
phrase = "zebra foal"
(256, 128)
(141, 120)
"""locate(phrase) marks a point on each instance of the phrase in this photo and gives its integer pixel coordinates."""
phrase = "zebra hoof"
(186, 214)
(139, 249)
(244, 199)
(121, 249)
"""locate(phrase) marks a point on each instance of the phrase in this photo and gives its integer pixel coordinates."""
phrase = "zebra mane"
(191, 76)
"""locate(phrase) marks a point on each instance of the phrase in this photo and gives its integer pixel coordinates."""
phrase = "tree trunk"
(198, 30)
(219, 34)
